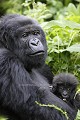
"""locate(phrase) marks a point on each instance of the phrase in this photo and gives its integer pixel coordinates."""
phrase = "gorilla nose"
(65, 94)
(35, 42)
(36, 45)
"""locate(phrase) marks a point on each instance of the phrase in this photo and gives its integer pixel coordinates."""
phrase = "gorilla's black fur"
(23, 78)
(65, 86)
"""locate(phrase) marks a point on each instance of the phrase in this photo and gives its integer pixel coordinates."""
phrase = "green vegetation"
(3, 118)
(62, 34)
(60, 20)
(53, 106)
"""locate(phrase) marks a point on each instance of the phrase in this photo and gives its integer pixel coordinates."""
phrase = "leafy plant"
(78, 115)
(63, 39)
(3, 118)
(38, 10)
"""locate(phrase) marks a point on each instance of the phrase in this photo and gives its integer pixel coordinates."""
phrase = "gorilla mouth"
(37, 53)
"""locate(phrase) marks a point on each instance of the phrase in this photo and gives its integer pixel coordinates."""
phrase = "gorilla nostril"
(34, 44)
(37, 42)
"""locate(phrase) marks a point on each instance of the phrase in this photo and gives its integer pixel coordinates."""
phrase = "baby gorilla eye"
(61, 87)
(68, 89)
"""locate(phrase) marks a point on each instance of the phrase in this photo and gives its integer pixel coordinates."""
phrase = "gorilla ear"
(54, 87)
(4, 38)
(7, 41)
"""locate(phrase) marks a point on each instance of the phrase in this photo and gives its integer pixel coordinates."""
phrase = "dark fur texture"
(64, 86)
(23, 80)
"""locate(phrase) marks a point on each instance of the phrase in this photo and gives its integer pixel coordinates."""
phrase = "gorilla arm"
(18, 92)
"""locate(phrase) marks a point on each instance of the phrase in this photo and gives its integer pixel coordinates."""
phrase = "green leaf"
(61, 23)
(78, 115)
(72, 9)
(74, 48)
(78, 9)
(3, 118)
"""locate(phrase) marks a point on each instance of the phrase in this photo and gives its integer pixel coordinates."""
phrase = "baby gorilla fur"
(64, 86)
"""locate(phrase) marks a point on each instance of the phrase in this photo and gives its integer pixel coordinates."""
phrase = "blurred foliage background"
(60, 20)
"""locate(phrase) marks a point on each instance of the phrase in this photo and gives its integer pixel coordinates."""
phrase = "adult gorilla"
(23, 50)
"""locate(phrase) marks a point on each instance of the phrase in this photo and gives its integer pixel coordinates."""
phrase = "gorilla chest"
(39, 80)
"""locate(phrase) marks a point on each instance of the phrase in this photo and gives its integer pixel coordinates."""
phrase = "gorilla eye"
(68, 89)
(25, 34)
(35, 32)
(61, 87)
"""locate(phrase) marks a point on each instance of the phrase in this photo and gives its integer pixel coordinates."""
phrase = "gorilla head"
(64, 86)
(25, 38)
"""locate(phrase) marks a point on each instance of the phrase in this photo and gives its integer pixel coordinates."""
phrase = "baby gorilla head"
(64, 86)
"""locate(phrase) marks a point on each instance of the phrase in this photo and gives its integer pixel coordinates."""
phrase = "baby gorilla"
(64, 86)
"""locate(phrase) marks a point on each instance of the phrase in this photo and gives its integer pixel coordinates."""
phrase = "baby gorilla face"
(64, 86)
(64, 92)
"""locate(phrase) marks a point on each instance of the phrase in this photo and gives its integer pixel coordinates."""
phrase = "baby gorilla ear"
(54, 87)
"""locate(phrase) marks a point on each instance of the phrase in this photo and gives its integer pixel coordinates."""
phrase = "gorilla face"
(64, 91)
(64, 86)
(27, 40)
